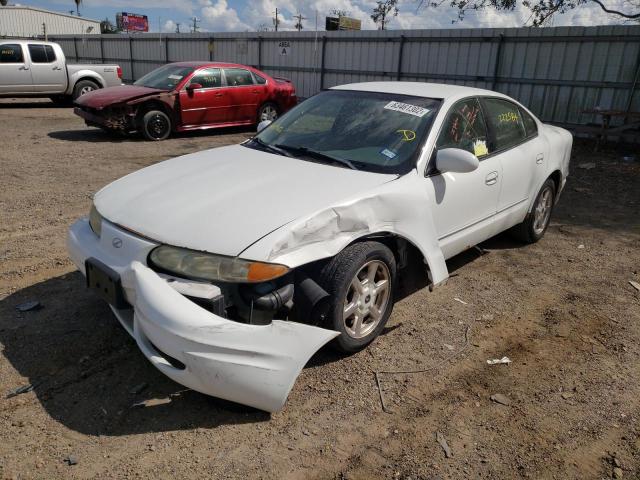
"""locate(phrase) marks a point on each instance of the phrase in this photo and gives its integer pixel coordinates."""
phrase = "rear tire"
(156, 125)
(537, 221)
(268, 111)
(83, 87)
(360, 280)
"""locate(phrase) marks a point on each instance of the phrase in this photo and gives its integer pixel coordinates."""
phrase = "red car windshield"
(165, 78)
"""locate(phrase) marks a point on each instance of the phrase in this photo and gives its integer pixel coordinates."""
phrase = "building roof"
(42, 10)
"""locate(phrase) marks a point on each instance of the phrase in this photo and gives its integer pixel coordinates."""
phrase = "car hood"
(225, 199)
(104, 97)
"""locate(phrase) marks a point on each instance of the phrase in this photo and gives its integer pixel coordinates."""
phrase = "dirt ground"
(562, 310)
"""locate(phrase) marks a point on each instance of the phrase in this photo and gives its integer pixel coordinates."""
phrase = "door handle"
(539, 158)
(255, 91)
(56, 68)
(491, 178)
(23, 68)
(219, 94)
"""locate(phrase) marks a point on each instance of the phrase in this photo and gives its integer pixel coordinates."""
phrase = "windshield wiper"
(315, 154)
(272, 148)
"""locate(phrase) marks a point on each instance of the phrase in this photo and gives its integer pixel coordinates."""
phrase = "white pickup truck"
(32, 68)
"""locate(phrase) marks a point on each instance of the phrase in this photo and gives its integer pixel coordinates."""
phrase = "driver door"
(465, 203)
(207, 105)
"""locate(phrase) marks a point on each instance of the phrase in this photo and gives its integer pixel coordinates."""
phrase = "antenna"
(195, 26)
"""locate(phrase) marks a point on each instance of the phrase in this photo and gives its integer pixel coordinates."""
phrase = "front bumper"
(254, 365)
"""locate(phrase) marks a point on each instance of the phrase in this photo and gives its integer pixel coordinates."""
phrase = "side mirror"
(456, 160)
(263, 124)
(193, 86)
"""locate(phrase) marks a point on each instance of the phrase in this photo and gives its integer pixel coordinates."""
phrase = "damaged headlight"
(206, 266)
(95, 221)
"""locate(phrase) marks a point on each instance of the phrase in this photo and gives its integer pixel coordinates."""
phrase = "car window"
(465, 128)
(208, 78)
(260, 80)
(41, 53)
(506, 121)
(166, 77)
(11, 53)
(529, 124)
(238, 77)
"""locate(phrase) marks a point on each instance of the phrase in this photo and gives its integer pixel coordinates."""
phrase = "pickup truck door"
(48, 70)
(207, 105)
(465, 204)
(15, 75)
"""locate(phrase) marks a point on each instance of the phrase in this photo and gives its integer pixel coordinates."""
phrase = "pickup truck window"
(11, 53)
(41, 53)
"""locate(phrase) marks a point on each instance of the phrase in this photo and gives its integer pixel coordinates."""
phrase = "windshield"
(164, 78)
(377, 132)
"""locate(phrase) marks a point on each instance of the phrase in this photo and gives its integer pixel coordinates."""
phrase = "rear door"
(521, 152)
(47, 71)
(244, 94)
(15, 75)
(207, 105)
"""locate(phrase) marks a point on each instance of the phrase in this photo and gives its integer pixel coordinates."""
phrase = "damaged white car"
(231, 267)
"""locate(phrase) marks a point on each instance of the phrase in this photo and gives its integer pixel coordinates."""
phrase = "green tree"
(384, 10)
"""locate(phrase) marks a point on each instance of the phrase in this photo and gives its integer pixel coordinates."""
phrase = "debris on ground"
(498, 361)
(566, 395)
(29, 306)
(617, 472)
(138, 388)
(587, 165)
(461, 301)
(500, 398)
(71, 460)
(580, 247)
(443, 443)
(151, 402)
(635, 285)
(22, 389)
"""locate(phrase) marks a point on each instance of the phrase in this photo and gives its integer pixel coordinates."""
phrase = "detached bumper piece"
(254, 365)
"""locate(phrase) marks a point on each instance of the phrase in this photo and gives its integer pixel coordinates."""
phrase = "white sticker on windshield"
(406, 108)
(175, 77)
(388, 153)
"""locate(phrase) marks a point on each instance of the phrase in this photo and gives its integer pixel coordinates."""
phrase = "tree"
(339, 13)
(542, 11)
(107, 27)
(78, 2)
(387, 8)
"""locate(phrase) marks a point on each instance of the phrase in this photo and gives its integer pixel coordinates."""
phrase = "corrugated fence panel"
(556, 72)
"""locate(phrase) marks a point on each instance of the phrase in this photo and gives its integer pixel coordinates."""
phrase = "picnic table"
(631, 120)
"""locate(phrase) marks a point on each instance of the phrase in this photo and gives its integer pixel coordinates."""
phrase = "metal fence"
(556, 72)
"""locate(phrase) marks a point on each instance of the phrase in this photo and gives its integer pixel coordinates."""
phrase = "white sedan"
(231, 267)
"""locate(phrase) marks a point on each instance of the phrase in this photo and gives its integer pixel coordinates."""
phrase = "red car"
(188, 96)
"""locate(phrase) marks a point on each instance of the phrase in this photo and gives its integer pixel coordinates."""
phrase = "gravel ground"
(563, 311)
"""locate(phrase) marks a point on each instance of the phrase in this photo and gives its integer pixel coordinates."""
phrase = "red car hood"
(108, 96)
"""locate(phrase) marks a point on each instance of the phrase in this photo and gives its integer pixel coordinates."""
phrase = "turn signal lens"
(261, 272)
(95, 221)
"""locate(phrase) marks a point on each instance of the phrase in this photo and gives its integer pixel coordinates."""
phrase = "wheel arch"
(154, 104)
(88, 78)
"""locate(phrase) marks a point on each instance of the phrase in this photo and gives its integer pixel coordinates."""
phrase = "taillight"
(119, 70)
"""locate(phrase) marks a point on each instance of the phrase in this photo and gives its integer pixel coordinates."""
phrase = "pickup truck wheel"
(360, 280)
(156, 125)
(535, 224)
(83, 87)
(268, 111)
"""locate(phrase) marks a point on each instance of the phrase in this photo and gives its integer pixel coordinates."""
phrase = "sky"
(248, 15)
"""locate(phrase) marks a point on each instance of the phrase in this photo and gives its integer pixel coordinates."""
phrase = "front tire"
(83, 87)
(360, 280)
(537, 221)
(268, 111)
(156, 125)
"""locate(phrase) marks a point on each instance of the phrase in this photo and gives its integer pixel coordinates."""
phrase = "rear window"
(11, 53)
(259, 80)
(506, 121)
(42, 53)
(529, 124)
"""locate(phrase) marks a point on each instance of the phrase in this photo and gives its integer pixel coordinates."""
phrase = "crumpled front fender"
(254, 365)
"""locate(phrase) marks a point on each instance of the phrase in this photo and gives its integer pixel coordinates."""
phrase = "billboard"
(342, 23)
(132, 22)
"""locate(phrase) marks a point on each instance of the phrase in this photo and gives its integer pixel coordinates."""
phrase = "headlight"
(206, 266)
(95, 221)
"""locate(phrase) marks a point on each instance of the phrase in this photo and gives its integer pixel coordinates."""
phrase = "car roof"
(195, 64)
(419, 89)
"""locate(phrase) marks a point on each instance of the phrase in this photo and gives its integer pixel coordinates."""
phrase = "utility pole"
(300, 19)
(276, 20)
(177, 28)
(195, 27)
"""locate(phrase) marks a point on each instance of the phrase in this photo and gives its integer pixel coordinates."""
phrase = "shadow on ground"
(91, 134)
